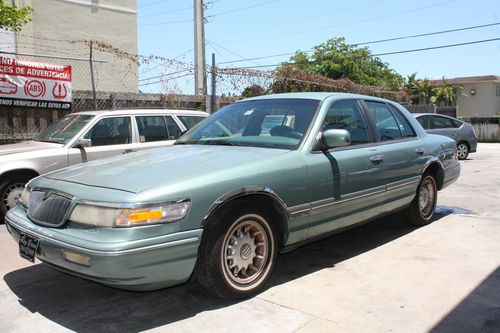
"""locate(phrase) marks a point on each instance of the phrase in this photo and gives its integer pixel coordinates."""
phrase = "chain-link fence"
(106, 78)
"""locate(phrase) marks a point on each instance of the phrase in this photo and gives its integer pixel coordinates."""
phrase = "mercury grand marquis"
(260, 176)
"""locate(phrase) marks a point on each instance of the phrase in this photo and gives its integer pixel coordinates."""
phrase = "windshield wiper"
(219, 143)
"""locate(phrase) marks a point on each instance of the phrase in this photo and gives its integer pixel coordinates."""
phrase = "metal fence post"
(213, 96)
(91, 62)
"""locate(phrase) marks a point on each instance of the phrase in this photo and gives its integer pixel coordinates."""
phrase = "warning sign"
(35, 85)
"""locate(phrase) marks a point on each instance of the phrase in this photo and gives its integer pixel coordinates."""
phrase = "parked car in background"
(260, 176)
(86, 136)
(462, 132)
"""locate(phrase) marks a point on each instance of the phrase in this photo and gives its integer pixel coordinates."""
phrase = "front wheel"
(462, 151)
(237, 253)
(421, 209)
(10, 192)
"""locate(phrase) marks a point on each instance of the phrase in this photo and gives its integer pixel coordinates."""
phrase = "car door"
(345, 181)
(444, 126)
(402, 155)
(157, 130)
(109, 136)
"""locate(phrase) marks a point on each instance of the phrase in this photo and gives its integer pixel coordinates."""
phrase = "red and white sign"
(33, 84)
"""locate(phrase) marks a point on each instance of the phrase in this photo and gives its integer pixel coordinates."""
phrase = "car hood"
(27, 146)
(140, 171)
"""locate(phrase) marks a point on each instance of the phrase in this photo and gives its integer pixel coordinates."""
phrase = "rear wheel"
(11, 189)
(237, 253)
(422, 207)
(462, 150)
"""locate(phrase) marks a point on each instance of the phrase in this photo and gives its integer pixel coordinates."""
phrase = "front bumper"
(165, 261)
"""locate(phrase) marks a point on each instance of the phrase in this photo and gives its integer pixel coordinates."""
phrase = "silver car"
(85, 136)
(462, 132)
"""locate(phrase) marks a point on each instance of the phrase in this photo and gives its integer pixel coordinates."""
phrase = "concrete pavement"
(381, 277)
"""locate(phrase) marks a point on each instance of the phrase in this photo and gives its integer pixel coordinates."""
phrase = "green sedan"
(261, 176)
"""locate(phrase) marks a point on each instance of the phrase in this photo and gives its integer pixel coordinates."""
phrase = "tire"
(422, 208)
(462, 150)
(10, 191)
(237, 252)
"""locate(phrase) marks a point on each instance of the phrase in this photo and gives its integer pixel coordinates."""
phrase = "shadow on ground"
(478, 312)
(85, 306)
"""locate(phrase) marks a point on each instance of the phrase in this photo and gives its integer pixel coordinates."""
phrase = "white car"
(86, 136)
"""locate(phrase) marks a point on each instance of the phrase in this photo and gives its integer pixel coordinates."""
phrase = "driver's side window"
(347, 115)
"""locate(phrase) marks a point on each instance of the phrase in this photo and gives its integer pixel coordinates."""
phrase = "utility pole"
(199, 49)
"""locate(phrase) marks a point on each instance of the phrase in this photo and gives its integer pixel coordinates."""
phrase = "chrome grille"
(48, 208)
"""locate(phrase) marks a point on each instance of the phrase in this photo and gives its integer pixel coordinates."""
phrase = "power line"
(429, 33)
(376, 41)
(167, 12)
(345, 24)
(167, 74)
(165, 80)
(241, 9)
(336, 11)
(222, 47)
(152, 3)
(165, 23)
(400, 52)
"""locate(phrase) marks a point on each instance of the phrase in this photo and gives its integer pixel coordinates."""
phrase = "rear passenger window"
(387, 126)
(190, 121)
(424, 121)
(404, 125)
(157, 128)
(152, 128)
(457, 123)
(441, 122)
(347, 115)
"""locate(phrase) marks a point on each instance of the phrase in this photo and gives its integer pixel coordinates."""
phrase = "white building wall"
(60, 27)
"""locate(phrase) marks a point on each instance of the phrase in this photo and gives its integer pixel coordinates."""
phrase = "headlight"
(128, 217)
(25, 196)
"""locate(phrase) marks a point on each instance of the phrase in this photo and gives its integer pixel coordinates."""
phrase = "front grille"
(48, 208)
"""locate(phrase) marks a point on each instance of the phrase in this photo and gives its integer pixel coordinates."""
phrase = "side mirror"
(333, 138)
(83, 143)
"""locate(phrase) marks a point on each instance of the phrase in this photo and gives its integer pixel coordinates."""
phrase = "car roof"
(320, 96)
(144, 111)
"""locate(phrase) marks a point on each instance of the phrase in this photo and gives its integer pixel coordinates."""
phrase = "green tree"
(13, 17)
(424, 90)
(253, 90)
(336, 60)
(445, 94)
(411, 88)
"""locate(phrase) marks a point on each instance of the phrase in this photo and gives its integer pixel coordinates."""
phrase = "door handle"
(377, 158)
(420, 151)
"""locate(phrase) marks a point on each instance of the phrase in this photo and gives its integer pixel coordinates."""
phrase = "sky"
(239, 30)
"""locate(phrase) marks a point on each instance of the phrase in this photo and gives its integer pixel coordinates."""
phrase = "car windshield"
(64, 130)
(269, 123)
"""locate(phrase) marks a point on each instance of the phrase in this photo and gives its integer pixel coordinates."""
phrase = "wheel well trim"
(243, 192)
(19, 170)
(440, 177)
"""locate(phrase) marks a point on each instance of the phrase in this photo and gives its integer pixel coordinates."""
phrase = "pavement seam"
(300, 311)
